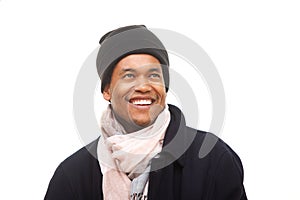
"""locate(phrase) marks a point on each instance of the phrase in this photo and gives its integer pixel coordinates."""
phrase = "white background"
(255, 46)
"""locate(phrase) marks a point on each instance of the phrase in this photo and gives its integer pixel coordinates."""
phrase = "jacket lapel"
(167, 166)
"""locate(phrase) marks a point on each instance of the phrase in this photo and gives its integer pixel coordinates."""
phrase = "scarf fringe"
(138, 196)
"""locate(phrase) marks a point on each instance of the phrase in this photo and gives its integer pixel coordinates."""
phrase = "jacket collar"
(176, 141)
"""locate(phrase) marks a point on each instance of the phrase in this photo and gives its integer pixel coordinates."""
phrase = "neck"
(129, 127)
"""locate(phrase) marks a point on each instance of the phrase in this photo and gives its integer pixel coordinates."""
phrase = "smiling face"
(136, 91)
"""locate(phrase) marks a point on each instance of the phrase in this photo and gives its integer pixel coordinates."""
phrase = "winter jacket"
(177, 173)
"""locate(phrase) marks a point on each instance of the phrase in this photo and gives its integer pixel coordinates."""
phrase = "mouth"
(142, 101)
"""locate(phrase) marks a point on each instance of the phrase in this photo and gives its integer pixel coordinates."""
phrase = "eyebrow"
(154, 69)
(127, 70)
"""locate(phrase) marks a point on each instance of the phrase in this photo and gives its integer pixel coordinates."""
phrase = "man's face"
(136, 91)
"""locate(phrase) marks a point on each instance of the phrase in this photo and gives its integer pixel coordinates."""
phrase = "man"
(145, 150)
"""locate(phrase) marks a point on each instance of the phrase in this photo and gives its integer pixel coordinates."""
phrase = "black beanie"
(119, 43)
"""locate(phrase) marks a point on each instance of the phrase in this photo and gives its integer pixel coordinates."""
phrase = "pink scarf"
(123, 157)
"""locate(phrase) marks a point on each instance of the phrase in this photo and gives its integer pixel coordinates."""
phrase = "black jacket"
(174, 176)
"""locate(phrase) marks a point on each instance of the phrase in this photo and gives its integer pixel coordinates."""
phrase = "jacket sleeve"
(229, 178)
(59, 187)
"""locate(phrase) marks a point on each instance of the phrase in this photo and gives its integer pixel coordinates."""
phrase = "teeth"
(142, 102)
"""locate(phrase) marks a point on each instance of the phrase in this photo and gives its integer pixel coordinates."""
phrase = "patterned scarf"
(125, 158)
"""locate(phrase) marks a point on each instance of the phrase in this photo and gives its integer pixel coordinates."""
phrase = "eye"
(154, 75)
(128, 76)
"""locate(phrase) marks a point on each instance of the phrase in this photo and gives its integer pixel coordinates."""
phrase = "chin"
(142, 124)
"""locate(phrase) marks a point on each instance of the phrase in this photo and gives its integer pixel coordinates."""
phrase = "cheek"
(116, 93)
(162, 93)
(122, 88)
(118, 97)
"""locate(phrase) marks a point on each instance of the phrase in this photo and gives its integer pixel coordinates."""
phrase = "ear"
(106, 93)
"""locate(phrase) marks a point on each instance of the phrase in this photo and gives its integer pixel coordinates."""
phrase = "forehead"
(138, 62)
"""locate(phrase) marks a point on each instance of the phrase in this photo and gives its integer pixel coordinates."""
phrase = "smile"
(141, 101)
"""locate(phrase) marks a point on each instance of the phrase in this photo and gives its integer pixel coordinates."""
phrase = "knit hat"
(119, 43)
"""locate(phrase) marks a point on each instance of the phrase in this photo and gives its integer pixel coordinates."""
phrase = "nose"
(142, 85)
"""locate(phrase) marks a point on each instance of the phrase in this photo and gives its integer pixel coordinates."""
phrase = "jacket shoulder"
(77, 177)
(221, 164)
(80, 159)
(209, 144)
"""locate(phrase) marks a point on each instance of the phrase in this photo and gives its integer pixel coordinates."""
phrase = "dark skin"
(136, 91)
